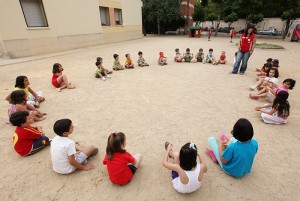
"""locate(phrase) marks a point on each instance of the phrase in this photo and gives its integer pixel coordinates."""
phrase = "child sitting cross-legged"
(128, 62)
(116, 64)
(187, 174)
(66, 155)
(101, 72)
(121, 165)
(27, 139)
(210, 58)
(222, 59)
(141, 61)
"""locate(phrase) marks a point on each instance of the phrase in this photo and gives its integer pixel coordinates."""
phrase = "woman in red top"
(121, 165)
(246, 48)
(60, 81)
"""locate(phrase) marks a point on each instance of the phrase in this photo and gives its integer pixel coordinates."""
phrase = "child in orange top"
(222, 59)
(128, 62)
(162, 60)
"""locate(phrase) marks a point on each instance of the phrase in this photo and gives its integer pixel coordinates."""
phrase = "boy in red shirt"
(222, 59)
(27, 139)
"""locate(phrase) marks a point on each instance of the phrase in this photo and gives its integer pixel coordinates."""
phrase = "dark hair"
(276, 75)
(249, 26)
(140, 52)
(126, 55)
(56, 68)
(61, 126)
(242, 130)
(210, 49)
(187, 49)
(281, 104)
(20, 81)
(176, 49)
(17, 97)
(98, 63)
(269, 60)
(115, 56)
(114, 144)
(291, 81)
(200, 49)
(18, 118)
(267, 66)
(188, 156)
(98, 59)
(275, 63)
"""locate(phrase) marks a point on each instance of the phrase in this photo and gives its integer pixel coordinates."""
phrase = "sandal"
(211, 154)
(95, 152)
(42, 99)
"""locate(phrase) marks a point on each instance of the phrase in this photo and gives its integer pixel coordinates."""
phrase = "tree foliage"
(255, 18)
(160, 11)
(232, 17)
(198, 15)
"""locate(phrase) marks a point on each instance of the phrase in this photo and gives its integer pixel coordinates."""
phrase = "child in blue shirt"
(236, 155)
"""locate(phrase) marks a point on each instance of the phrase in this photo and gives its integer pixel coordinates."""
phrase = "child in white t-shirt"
(271, 80)
(66, 155)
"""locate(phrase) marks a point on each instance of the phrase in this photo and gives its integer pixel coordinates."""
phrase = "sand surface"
(180, 102)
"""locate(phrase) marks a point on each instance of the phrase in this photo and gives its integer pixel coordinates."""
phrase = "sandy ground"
(180, 102)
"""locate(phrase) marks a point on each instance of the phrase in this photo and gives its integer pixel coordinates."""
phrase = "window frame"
(119, 11)
(42, 9)
(107, 16)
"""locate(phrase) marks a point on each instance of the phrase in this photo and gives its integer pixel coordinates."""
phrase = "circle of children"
(235, 155)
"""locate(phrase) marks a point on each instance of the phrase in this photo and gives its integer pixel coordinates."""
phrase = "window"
(34, 13)
(104, 16)
(118, 16)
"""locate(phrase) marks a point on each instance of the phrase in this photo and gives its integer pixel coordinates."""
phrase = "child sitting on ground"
(162, 60)
(272, 92)
(278, 112)
(222, 59)
(263, 71)
(141, 61)
(32, 97)
(116, 65)
(269, 61)
(101, 72)
(210, 57)
(235, 156)
(128, 62)
(188, 56)
(66, 155)
(105, 70)
(121, 165)
(59, 80)
(200, 56)
(187, 174)
(18, 104)
(271, 80)
(178, 57)
(27, 139)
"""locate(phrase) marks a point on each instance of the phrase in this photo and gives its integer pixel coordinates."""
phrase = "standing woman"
(246, 48)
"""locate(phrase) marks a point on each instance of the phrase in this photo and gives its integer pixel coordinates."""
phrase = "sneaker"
(109, 72)
(203, 62)
(84, 162)
(103, 78)
(108, 76)
(95, 152)
(252, 88)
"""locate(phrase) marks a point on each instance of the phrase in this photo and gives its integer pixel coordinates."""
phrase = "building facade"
(187, 10)
(33, 27)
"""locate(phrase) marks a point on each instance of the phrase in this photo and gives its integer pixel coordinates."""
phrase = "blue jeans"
(241, 57)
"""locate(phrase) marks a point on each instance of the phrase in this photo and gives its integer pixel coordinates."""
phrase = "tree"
(231, 18)
(198, 15)
(212, 17)
(291, 13)
(255, 18)
(161, 11)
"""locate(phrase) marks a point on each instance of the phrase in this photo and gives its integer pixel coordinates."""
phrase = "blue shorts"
(174, 174)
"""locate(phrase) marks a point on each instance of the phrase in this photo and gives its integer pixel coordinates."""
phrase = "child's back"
(240, 157)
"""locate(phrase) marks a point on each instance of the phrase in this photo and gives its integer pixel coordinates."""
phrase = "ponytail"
(114, 144)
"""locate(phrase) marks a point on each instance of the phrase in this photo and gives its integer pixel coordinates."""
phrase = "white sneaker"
(203, 62)
(103, 78)
(108, 76)
(252, 88)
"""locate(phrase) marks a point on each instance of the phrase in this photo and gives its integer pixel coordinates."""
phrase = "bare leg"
(138, 159)
(88, 150)
(64, 80)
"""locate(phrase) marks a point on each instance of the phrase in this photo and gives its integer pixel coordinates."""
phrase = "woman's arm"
(253, 46)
